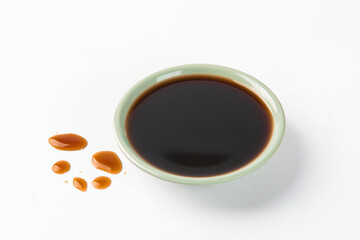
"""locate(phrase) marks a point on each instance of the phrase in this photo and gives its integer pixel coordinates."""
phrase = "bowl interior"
(240, 78)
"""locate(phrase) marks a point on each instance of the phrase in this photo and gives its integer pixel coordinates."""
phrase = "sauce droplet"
(66, 181)
(80, 184)
(107, 161)
(101, 182)
(68, 142)
(61, 167)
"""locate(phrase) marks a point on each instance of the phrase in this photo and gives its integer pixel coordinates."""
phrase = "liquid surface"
(68, 142)
(101, 182)
(80, 184)
(61, 167)
(107, 161)
(199, 125)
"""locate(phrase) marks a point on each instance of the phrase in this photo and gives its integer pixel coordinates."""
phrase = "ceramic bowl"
(239, 77)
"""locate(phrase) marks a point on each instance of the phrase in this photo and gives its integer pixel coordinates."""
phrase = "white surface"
(65, 64)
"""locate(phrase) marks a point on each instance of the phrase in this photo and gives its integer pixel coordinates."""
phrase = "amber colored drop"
(101, 182)
(61, 167)
(66, 181)
(68, 142)
(80, 184)
(107, 161)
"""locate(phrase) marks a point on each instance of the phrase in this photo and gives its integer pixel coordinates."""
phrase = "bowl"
(237, 76)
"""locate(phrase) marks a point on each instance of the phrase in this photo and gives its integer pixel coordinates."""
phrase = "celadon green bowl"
(239, 77)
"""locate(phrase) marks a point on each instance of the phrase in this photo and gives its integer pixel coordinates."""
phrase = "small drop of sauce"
(61, 167)
(68, 142)
(80, 184)
(101, 182)
(66, 181)
(107, 161)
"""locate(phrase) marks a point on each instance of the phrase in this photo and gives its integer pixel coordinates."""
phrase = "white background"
(64, 65)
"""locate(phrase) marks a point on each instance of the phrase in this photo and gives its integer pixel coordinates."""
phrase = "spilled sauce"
(61, 167)
(104, 160)
(68, 142)
(80, 184)
(107, 161)
(101, 182)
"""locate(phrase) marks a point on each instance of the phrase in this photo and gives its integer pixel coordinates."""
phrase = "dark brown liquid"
(80, 184)
(68, 142)
(107, 161)
(199, 125)
(101, 182)
(61, 167)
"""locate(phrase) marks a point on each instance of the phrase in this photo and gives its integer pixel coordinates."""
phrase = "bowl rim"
(239, 77)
